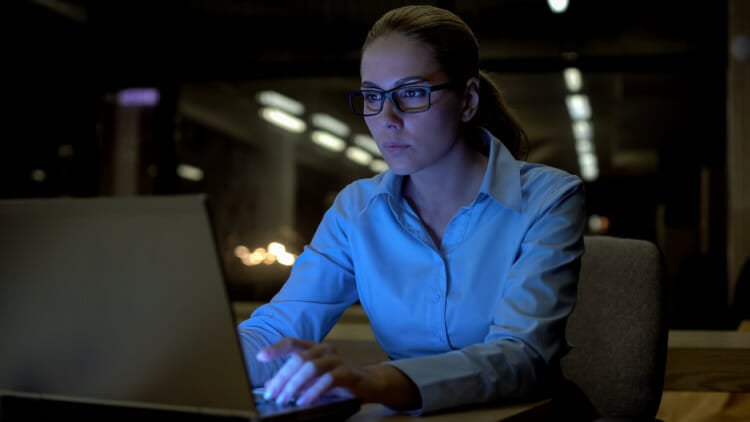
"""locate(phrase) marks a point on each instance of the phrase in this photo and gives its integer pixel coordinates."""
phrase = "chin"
(401, 170)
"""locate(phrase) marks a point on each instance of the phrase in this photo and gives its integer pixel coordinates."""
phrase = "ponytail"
(494, 115)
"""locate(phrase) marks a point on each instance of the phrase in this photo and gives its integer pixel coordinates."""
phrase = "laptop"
(118, 306)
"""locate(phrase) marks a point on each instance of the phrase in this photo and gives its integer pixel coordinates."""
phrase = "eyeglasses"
(406, 99)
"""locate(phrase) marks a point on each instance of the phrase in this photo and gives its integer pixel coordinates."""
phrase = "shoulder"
(356, 196)
(542, 184)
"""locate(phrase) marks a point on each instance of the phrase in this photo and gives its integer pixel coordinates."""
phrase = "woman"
(464, 259)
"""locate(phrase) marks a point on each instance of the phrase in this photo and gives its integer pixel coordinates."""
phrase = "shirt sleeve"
(527, 337)
(319, 289)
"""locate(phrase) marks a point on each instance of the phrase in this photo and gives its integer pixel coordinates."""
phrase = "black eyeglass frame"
(389, 95)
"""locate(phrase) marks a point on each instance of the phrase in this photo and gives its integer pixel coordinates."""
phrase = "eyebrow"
(399, 83)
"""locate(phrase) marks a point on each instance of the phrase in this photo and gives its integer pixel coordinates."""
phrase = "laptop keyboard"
(268, 405)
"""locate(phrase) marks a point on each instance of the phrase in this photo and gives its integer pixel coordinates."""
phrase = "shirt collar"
(501, 181)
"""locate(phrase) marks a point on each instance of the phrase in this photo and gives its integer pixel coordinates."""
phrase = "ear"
(471, 99)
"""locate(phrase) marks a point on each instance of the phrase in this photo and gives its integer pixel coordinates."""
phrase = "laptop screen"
(117, 299)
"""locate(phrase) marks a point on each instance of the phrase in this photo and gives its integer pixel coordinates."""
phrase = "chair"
(618, 330)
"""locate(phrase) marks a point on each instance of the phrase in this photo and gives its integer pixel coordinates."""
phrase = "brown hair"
(456, 49)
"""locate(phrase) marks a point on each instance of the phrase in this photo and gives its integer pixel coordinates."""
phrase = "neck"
(454, 180)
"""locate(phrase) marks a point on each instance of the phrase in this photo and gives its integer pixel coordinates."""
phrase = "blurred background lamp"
(578, 107)
(328, 141)
(358, 155)
(573, 79)
(378, 166)
(282, 119)
(331, 124)
(281, 102)
(138, 97)
(366, 142)
(557, 6)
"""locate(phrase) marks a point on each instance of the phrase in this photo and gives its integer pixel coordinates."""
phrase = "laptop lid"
(118, 300)
(121, 301)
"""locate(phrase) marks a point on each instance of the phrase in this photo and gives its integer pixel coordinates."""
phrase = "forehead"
(394, 57)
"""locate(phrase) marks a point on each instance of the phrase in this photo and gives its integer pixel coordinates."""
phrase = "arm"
(319, 289)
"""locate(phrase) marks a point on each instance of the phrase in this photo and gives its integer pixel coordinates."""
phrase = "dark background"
(654, 71)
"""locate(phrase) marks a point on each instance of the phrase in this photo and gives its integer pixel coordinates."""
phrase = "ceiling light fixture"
(578, 107)
(189, 172)
(282, 102)
(358, 155)
(331, 124)
(366, 142)
(557, 6)
(573, 79)
(328, 141)
(282, 119)
(378, 166)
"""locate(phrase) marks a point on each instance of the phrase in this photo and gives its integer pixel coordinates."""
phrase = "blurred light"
(378, 166)
(138, 97)
(588, 160)
(578, 107)
(38, 175)
(282, 102)
(65, 151)
(328, 141)
(241, 251)
(331, 124)
(269, 259)
(366, 142)
(740, 47)
(286, 259)
(573, 79)
(257, 256)
(598, 224)
(276, 252)
(188, 172)
(283, 119)
(589, 166)
(557, 6)
(582, 130)
(276, 248)
(589, 174)
(584, 146)
(358, 155)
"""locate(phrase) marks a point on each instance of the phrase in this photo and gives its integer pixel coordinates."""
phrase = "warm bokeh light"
(276, 253)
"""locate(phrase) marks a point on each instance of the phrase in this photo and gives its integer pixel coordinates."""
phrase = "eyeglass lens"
(408, 99)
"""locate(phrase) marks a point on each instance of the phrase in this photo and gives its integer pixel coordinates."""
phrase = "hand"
(312, 370)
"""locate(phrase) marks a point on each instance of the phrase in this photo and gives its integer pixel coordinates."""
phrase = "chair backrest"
(618, 329)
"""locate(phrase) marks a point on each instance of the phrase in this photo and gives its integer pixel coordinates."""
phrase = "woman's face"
(410, 142)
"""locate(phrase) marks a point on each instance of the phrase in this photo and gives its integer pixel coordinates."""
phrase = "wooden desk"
(708, 361)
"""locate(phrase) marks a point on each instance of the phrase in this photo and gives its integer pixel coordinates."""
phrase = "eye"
(372, 96)
(411, 92)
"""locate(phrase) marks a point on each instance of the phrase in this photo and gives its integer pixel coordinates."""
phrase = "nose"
(389, 113)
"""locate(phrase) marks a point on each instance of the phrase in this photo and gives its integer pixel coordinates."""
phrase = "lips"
(394, 146)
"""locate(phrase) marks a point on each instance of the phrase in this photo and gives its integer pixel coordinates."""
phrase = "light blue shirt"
(478, 318)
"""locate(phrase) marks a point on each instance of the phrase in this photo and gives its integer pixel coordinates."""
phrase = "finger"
(277, 383)
(282, 348)
(322, 384)
(306, 375)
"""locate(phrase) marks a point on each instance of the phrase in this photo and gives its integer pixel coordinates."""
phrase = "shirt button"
(436, 298)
